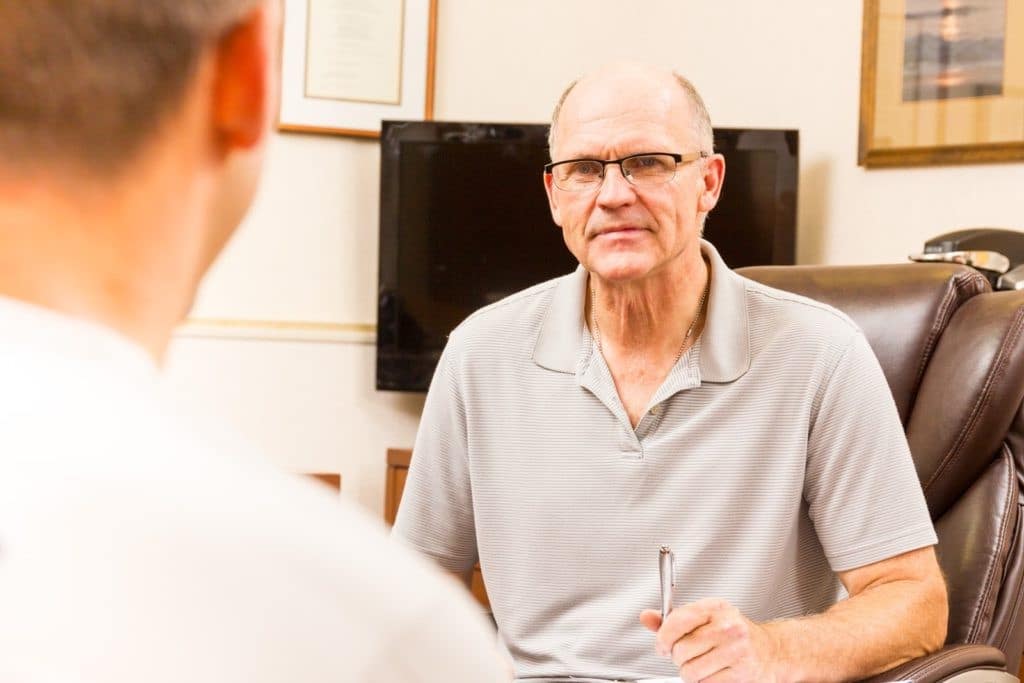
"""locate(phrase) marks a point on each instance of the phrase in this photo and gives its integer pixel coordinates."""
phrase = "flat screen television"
(464, 222)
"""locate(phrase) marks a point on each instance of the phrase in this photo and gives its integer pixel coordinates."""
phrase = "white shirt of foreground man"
(136, 547)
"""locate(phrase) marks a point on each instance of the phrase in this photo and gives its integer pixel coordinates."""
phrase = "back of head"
(126, 124)
(85, 82)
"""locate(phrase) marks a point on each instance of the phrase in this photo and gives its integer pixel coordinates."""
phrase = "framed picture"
(942, 82)
(348, 64)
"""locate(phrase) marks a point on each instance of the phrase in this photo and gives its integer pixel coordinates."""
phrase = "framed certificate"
(942, 82)
(348, 64)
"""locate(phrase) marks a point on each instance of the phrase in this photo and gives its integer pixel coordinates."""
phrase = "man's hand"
(896, 611)
(711, 641)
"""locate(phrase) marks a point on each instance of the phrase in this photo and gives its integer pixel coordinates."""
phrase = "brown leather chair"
(953, 353)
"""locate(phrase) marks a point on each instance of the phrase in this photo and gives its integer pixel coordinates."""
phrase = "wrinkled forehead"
(625, 110)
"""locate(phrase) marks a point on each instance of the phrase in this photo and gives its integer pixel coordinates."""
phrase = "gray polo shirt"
(771, 457)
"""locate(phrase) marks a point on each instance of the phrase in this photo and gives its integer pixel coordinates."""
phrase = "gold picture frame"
(346, 65)
(942, 82)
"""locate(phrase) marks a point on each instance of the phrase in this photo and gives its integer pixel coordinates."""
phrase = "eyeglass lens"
(643, 169)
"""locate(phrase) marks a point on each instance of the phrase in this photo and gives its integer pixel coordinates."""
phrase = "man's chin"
(621, 270)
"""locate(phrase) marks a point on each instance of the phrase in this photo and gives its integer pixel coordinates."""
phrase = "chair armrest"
(950, 660)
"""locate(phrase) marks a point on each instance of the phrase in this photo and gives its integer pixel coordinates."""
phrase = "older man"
(655, 397)
(134, 544)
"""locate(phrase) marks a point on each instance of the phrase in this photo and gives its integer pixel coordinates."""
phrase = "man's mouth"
(617, 231)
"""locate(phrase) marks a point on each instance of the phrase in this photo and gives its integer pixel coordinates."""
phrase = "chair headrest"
(970, 395)
(902, 309)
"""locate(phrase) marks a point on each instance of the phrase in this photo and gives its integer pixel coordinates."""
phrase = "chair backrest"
(953, 353)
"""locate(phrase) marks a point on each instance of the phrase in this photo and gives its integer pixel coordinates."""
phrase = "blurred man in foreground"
(132, 547)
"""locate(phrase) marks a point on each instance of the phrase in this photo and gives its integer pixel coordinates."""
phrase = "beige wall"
(307, 255)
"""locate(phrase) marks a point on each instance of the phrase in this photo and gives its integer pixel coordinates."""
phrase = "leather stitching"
(958, 291)
(989, 589)
(996, 373)
(1015, 590)
(938, 325)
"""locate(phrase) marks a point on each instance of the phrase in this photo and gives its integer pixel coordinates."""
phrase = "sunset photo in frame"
(349, 64)
(942, 82)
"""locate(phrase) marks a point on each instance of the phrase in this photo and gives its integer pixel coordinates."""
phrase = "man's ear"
(549, 188)
(242, 83)
(711, 182)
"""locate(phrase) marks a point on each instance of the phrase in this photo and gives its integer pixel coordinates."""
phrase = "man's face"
(620, 231)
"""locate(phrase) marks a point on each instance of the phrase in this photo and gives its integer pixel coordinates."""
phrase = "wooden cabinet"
(330, 479)
(398, 467)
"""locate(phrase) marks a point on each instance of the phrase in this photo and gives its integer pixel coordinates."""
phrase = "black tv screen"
(464, 222)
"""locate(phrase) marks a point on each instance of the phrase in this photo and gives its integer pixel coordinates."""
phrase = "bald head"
(654, 81)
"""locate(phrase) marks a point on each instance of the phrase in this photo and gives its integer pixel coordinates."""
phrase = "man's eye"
(585, 168)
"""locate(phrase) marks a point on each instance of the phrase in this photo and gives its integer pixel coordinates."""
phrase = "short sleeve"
(436, 512)
(862, 490)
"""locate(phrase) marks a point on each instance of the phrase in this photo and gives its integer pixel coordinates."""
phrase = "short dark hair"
(88, 81)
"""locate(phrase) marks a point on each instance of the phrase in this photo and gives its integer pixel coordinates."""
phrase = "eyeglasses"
(642, 170)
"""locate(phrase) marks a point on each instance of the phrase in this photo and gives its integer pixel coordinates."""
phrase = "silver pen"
(666, 561)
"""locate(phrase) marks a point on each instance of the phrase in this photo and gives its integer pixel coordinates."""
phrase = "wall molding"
(277, 330)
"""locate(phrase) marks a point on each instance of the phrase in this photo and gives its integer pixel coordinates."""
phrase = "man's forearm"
(867, 634)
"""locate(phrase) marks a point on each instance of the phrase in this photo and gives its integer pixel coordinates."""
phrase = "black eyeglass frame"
(678, 158)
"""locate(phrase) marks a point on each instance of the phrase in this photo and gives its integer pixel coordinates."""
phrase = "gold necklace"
(689, 330)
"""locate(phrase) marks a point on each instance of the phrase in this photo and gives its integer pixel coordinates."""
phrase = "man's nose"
(615, 189)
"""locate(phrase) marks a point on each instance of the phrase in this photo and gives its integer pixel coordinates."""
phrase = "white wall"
(298, 377)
